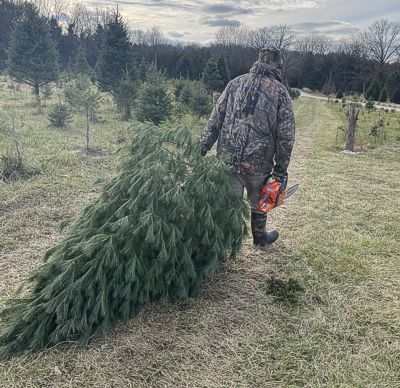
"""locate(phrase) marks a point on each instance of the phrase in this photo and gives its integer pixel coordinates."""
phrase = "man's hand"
(280, 178)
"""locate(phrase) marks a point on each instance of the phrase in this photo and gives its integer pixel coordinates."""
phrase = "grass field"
(340, 239)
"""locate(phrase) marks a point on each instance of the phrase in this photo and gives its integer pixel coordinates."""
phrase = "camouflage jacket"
(253, 122)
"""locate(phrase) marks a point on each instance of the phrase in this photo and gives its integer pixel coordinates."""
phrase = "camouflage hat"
(271, 56)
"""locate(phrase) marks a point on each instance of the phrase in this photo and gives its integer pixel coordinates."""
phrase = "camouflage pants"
(252, 184)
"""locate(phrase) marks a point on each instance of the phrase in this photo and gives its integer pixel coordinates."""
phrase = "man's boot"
(258, 227)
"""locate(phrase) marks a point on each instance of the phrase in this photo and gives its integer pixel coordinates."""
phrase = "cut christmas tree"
(159, 229)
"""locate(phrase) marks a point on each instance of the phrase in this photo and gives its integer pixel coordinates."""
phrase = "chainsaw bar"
(291, 191)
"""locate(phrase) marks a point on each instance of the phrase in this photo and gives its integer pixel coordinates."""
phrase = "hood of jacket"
(264, 69)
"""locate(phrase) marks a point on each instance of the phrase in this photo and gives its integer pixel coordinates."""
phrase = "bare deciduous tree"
(314, 44)
(51, 8)
(259, 38)
(352, 46)
(137, 37)
(86, 21)
(154, 37)
(382, 41)
(282, 36)
(230, 36)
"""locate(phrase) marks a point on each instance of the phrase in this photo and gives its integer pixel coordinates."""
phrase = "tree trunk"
(127, 113)
(87, 130)
(352, 116)
(37, 94)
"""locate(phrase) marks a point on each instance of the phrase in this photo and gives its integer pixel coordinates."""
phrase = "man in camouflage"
(253, 122)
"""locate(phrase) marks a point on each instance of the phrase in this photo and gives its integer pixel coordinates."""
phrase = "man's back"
(252, 114)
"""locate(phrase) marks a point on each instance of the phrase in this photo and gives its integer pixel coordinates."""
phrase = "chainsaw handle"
(282, 188)
(267, 178)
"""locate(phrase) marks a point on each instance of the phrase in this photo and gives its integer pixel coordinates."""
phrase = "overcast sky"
(198, 20)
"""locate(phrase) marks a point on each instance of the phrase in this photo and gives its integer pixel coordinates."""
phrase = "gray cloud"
(176, 34)
(332, 27)
(225, 9)
(146, 3)
(219, 22)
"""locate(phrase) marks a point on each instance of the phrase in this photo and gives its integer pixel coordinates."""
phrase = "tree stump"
(352, 117)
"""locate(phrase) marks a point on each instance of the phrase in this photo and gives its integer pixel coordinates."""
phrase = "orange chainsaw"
(274, 193)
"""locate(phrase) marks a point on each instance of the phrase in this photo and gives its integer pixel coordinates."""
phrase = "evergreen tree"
(212, 77)
(199, 100)
(142, 68)
(396, 96)
(126, 93)
(339, 94)
(84, 98)
(223, 69)
(32, 55)
(383, 96)
(115, 54)
(154, 103)
(373, 91)
(392, 83)
(183, 66)
(81, 65)
(185, 93)
(328, 87)
(159, 229)
(179, 84)
(10, 14)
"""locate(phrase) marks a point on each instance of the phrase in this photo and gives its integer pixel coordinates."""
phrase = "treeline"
(355, 65)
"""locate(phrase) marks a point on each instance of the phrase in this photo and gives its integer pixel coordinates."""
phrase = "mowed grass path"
(340, 238)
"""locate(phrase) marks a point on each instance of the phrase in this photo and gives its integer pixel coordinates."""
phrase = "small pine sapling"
(60, 116)
(370, 105)
(126, 92)
(84, 98)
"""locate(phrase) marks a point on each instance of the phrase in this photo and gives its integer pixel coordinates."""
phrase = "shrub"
(294, 93)
(12, 168)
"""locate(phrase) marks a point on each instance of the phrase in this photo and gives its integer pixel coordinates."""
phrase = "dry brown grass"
(343, 248)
